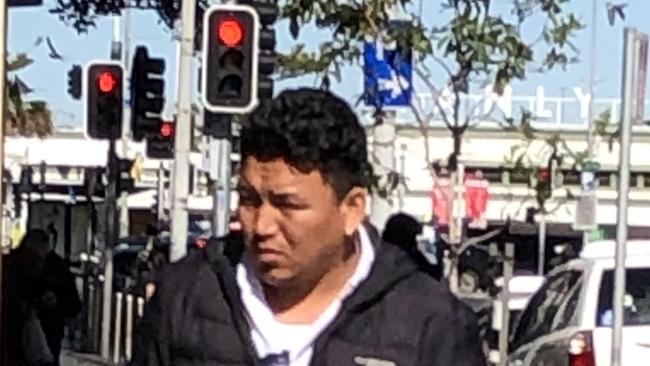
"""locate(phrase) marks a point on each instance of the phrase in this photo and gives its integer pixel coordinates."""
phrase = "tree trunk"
(457, 136)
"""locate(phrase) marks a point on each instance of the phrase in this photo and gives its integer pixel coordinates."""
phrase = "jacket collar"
(391, 265)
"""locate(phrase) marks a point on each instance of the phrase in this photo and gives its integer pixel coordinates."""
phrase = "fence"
(128, 307)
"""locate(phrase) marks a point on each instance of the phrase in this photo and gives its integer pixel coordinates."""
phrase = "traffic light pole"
(221, 193)
(111, 238)
(183, 134)
(161, 193)
(124, 38)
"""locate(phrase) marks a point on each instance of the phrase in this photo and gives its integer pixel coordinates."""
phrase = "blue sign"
(388, 76)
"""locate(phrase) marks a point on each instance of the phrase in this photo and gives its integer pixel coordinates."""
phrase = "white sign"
(569, 109)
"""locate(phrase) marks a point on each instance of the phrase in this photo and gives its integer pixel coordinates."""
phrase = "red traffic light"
(231, 32)
(106, 82)
(167, 129)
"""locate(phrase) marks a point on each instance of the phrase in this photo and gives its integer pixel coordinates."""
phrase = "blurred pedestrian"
(24, 339)
(403, 230)
(59, 299)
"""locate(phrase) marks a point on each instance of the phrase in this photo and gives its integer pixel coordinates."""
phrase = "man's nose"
(265, 220)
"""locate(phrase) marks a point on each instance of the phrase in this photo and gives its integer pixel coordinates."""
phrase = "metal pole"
(628, 95)
(112, 231)
(128, 340)
(161, 193)
(117, 335)
(505, 310)
(183, 134)
(125, 38)
(592, 81)
(3, 112)
(542, 244)
(591, 154)
(222, 210)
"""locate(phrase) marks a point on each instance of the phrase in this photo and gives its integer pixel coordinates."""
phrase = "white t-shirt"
(292, 344)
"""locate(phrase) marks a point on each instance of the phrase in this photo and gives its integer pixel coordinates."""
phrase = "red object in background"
(441, 202)
(476, 196)
(543, 174)
(201, 243)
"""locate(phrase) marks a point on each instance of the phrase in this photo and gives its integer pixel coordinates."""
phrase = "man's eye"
(288, 205)
(248, 199)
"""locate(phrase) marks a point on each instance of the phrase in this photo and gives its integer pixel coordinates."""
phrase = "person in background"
(402, 230)
(59, 300)
(24, 341)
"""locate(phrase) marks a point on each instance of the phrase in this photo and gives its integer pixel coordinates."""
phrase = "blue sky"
(49, 77)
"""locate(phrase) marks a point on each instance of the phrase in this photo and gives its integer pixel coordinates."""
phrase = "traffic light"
(75, 82)
(125, 182)
(268, 11)
(104, 105)
(147, 94)
(230, 63)
(161, 145)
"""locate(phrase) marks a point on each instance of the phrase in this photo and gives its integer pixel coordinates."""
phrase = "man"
(312, 286)
(60, 300)
(24, 339)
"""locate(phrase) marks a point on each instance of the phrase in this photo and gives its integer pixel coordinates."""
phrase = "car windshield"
(636, 300)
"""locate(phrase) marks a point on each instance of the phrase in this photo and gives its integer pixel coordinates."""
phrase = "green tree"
(24, 117)
(477, 45)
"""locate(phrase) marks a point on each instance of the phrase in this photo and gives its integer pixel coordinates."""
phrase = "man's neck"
(305, 303)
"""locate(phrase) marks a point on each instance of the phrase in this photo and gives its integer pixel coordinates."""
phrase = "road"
(74, 359)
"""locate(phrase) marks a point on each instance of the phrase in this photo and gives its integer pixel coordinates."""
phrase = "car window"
(538, 318)
(567, 312)
(636, 301)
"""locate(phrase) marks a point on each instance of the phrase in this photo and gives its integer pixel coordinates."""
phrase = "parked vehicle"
(568, 320)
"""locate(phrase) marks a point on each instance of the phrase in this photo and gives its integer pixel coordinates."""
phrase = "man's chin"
(274, 276)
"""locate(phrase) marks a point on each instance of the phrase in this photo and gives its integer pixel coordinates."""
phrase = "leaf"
(337, 72)
(294, 27)
(21, 61)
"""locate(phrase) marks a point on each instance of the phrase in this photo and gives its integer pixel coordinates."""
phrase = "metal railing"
(127, 309)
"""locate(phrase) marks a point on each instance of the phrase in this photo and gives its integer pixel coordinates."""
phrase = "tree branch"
(435, 94)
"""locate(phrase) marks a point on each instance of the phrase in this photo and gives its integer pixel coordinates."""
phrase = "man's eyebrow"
(286, 195)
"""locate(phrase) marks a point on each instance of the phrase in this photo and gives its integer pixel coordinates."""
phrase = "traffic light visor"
(231, 32)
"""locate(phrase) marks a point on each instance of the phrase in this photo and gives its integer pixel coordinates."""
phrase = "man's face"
(294, 226)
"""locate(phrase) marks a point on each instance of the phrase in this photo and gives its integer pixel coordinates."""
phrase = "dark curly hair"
(310, 129)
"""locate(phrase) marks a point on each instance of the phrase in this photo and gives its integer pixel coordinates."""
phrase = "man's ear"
(353, 208)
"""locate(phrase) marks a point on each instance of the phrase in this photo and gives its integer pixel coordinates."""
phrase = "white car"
(568, 321)
(521, 289)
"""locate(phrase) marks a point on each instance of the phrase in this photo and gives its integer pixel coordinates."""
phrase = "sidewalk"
(69, 358)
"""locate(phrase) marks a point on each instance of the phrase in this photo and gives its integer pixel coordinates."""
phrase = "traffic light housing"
(125, 182)
(74, 82)
(104, 86)
(147, 94)
(161, 146)
(268, 12)
(230, 63)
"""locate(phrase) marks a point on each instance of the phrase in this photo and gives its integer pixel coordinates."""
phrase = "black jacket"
(398, 315)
